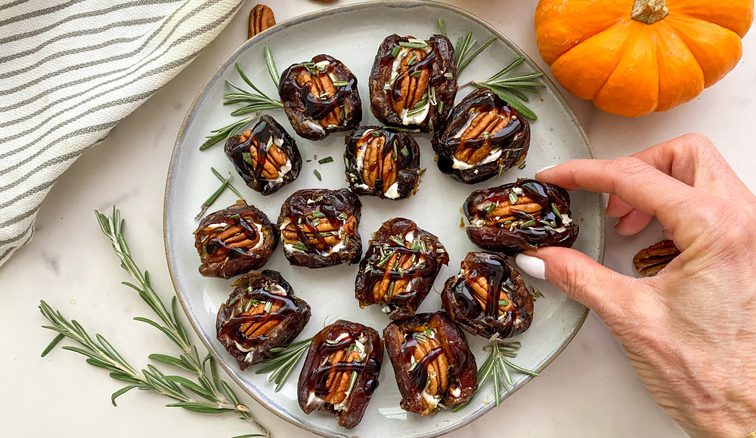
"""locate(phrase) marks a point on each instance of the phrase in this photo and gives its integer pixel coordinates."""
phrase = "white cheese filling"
(491, 157)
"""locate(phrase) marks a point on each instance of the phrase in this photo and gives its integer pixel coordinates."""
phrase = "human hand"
(690, 331)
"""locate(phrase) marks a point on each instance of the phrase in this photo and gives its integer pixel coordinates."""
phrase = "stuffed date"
(320, 97)
(234, 240)
(265, 155)
(399, 268)
(432, 362)
(484, 138)
(341, 371)
(261, 313)
(523, 215)
(488, 297)
(382, 162)
(319, 227)
(413, 82)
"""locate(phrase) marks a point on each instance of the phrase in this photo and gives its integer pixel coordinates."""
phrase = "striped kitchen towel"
(71, 70)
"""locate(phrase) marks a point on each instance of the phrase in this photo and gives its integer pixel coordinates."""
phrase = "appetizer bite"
(319, 227)
(649, 261)
(399, 268)
(234, 240)
(432, 363)
(413, 82)
(341, 371)
(265, 155)
(261, 313)
(488, 297)
(320, 97)
(524, 215)
(483, 138)
(382, 162)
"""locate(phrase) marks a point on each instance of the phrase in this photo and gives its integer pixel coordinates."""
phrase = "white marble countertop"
(588, 391)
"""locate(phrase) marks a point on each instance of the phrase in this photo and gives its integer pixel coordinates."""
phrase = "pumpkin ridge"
(660, 61)
(617, 60)
(683, 7)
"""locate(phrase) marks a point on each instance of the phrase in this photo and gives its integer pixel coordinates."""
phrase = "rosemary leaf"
(318, 175)
(442, 26)
(222, 134)
(230, 186)
(325, 160)
(469, 52)
(213, 197)
(271, 64)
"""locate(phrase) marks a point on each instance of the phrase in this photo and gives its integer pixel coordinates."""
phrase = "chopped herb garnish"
(440, 107)
(556, 211)
(405, 152)
(325, 160)
(504, 302)
(343, 216)
(300, 246)
(390, 292)
(268, 307)
(317, 175)
(413, 44)
(527, 224)
(397, 239)
(340, 84)
(522, 165)
(395, 51)
(490, 208)
(317, 214)
(512, 198)
(247, 157)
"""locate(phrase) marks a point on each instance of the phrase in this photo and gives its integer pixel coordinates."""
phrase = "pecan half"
(399, 268)
(649, 261)
(524, 215)
(260, 18)
(261, 313)
(432, 362)
(233, 241)
(319, 227)
(341, 371)
(484, 138)
(382, 162)
(265, 155)
(488, 297)
(320, 97)
(413, 82)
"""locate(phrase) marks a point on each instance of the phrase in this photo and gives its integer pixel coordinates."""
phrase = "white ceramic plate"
(352, 34)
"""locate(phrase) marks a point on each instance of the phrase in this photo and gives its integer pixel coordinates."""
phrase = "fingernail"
(532, 266)
(547, 168)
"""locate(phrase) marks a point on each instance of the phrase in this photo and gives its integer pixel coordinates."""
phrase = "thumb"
(581, 278)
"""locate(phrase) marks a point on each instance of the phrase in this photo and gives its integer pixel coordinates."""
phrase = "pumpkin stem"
(649, 11)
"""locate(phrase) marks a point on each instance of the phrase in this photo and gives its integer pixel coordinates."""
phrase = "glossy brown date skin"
(319, 227)
(444, 367)
(261, 313)
(397, 274)
(479, 128)
(497, 225)
(433, 69)
(341, 371)
(378, 158)
(488, 297)
(320, 97)
(265, 155)
(234, 240)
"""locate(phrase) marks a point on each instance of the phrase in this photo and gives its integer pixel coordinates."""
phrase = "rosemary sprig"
(213, 197)
(255, 101)
(513, 89)
(465, 50)
(282, 363)
(442, 26)
(497, 366)
(222, 134)
(230, 186)
(207, 394)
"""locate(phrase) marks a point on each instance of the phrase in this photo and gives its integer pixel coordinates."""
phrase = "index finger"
(636, 182)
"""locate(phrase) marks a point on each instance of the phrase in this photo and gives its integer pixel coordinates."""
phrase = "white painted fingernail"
(547, 168)
(532, 266)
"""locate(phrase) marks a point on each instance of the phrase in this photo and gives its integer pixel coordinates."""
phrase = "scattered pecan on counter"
(341, 371)
(399, 268)
(260, 18)
(432, 362)
(523, 215)
(265, 155)
(234, 240)
(319, 227)
(261, 313)
(413, 82)
(382, 162)
(484, 138)
(320, 97)
(649, 261)
(488, 297)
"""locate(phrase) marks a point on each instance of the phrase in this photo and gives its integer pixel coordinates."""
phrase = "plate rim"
(194, 108)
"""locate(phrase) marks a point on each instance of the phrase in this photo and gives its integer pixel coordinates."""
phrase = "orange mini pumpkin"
(632, 57)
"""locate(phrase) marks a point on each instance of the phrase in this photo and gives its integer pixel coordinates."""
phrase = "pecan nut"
(320, 97)
(399, 268)
(432, 362)
(413, 82)
(341, 371)
(265, 155)
(234, 240)
(484, 138)
(382, 162)
(488, 297)
(261, 313)
(524, 215)
(260, 18)
(649, 261)
(319, 227)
